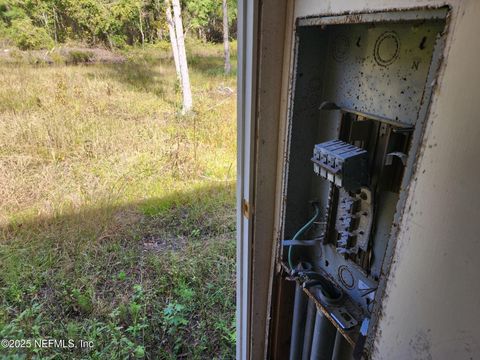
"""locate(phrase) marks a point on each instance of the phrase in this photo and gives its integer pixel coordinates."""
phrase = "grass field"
(117, 213)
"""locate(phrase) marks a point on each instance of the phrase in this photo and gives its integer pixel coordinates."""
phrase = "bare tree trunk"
(173, 38)
(140, 18)
(226, 44)
(182, 57)
(159, 34)
(55, 24)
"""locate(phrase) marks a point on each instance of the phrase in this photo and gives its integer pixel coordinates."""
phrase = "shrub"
(29, 37)
(79, 57)
(117, 41)
(57, 58)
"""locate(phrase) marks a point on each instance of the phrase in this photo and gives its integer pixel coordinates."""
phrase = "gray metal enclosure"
(358, 140)
(364, 81)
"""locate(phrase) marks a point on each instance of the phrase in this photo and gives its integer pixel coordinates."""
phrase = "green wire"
(301, 232)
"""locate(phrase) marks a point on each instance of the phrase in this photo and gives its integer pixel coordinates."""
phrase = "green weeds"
(116, 213)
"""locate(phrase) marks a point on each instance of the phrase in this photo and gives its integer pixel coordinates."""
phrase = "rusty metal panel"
(438, 230)
(351, 66)
(380, 68)
(381, 71)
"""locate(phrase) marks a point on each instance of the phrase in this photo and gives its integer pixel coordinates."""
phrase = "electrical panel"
(360, 92)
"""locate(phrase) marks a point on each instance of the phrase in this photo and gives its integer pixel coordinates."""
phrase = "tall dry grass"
(105, 188)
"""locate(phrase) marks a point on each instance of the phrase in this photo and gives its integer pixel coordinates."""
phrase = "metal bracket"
(400, 155)
(329, 105)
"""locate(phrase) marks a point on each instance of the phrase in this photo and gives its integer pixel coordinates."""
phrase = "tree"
(173, 38)
(140, 21)
(115, 23)
(182, 57)
(226, 44)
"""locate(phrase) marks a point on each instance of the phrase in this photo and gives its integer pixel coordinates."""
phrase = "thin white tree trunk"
(182, 57)
(140, 21)
(226, 44)
(55, 22)
(173, 38)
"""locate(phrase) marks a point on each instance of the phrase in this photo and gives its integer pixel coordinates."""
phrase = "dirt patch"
(156, 243)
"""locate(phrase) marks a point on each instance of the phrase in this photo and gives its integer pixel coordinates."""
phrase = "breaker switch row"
(343, 164)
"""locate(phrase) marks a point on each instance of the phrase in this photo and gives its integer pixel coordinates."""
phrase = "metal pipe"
(298, 323)
(342, 349)
(309, 326)
(323, 338)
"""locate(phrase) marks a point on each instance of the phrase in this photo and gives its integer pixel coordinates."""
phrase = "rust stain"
(246, 208)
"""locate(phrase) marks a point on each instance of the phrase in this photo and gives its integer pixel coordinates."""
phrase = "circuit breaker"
(360, 92)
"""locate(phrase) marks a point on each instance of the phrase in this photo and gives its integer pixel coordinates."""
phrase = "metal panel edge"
(247, 24)
(381, 16)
